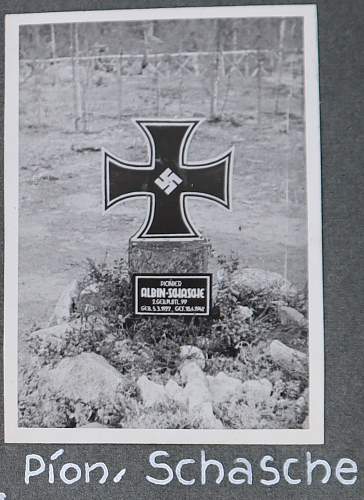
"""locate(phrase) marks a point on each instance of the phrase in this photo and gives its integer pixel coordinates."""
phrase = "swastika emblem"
(167, 179)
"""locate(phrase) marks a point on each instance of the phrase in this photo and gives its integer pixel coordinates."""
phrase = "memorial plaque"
(172, 295)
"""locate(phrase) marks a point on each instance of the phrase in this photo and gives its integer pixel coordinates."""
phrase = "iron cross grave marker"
(167, 179)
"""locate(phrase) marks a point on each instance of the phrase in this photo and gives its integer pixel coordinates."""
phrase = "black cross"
(167, 179)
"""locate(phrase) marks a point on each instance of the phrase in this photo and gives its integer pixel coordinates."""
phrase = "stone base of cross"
(168, 256)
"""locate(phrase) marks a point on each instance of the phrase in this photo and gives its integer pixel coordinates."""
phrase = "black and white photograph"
(163, 260)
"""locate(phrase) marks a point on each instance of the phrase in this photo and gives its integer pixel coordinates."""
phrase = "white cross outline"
(150, 165)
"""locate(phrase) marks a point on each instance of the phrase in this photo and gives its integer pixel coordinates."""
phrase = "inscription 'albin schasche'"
(173, 293)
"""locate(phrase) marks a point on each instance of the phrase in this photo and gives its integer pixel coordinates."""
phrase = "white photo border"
(315, 433)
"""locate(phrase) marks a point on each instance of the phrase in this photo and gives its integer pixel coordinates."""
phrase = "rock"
(301, 401)
(205, 416)
(306, 423)
(152, 393)
(305, 394)
(190, 371)
(90, 290)
(87, 377)
(218, 283)
(66, 304)
(192, 353)
(56, 332)
(289, 316)
(242, 313)
(289, 359)
(215, 292)
(175, 393)
(198, 396)
(253, 281)
(257, 391)
(52, 338)
(197, 388)
(220, 277)
(89, 299)
(223, 388)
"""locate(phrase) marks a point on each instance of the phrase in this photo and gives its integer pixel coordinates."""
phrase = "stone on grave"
(87, 378)
(175, 393)
(198, 396)
(65, 305)
(257, 391)
(258, 281)
(290, 316)
(152, 394)
(289, 359)
(224, 388)
(192, 353)
(53, 338)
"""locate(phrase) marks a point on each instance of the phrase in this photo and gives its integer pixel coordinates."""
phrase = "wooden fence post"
(180, 91)
(74, 79)
(215, 73)
(289, 98)
(120, 87)
(259, 89)
(37, 80)
(157, 90)
(282, 31)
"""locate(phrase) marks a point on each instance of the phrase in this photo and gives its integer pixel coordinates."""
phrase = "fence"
(90, 93)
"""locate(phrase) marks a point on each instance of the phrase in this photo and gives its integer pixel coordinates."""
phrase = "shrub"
(105, 294)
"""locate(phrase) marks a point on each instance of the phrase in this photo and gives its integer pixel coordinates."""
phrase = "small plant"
(106, 294)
